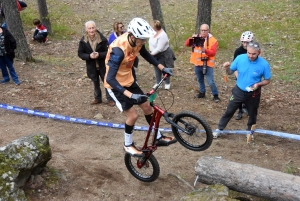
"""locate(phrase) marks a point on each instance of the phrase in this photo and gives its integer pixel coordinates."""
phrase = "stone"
(19, 160)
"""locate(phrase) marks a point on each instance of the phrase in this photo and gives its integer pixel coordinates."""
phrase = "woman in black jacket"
(7, 54)
(93, 48)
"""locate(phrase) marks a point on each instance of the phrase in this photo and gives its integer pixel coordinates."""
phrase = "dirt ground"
(90, 160)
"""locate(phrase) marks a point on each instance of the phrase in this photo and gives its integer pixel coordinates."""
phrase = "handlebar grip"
(150, 92)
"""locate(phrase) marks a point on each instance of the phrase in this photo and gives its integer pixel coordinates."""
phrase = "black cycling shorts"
(122, 101)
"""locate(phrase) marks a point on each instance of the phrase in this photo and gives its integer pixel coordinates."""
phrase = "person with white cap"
(245, 39)
(120, 82)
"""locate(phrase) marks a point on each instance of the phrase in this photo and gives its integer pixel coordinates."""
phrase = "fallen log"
(248, 179)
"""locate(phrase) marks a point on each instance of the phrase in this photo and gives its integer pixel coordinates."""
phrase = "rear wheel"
(147, 172)
(199, 134)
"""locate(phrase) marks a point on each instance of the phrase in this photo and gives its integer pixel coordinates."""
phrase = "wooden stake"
(250, 137)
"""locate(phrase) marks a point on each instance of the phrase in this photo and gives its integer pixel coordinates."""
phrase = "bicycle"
(189, 128)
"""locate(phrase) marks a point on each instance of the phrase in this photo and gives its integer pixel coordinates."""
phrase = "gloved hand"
(167, 71)
(137, 98)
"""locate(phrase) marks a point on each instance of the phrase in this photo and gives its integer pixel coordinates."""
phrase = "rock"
(217, 192)
(19, 160)
(98, 116)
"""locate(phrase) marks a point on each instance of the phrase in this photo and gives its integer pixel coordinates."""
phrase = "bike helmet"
(140, 28)
(247, 36)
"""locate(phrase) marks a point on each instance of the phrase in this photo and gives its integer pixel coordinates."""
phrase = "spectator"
(93, 49)
(7, 54)
(160, 49)
(40, 34)
(251, 69)
(120, 82)
(204, 48)
(118, 31)
(246, 38)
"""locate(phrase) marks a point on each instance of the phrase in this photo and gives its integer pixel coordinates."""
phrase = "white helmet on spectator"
(140, 28)
(247, 36)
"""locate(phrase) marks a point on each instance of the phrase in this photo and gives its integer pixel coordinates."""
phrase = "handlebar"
(157, 86)
(167, 116)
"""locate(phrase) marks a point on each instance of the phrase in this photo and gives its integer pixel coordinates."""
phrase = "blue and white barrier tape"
(142, 128)
(72, 119)
(268, 132)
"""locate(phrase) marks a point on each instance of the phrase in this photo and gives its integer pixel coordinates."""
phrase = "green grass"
(62, 19)
(274, 23)
(291, 168)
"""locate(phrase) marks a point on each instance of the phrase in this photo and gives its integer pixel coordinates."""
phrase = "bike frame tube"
(157, 114)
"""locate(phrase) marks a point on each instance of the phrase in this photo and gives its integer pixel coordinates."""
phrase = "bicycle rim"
(147, 173)
(200, 134)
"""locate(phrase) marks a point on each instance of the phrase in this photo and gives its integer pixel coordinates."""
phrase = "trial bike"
(190, 129)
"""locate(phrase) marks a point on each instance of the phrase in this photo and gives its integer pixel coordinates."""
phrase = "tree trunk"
(249, 179)
(204, 13)
(44, 15)
(14, 24)
(1, 17)
(157, 13)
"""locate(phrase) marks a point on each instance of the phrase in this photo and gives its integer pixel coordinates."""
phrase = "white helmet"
(140, 28)
(247, 36)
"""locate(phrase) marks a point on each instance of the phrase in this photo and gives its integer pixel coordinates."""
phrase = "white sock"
(158, 134)
(128, 139)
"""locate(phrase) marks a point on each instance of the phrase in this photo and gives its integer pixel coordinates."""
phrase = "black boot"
(201, 95)
(239, 116)
(216, 98)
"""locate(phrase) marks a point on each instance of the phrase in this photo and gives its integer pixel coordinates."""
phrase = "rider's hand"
(137, 98)
(167, 71)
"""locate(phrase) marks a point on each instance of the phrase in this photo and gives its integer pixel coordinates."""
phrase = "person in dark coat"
(93, 49)
(7, 54)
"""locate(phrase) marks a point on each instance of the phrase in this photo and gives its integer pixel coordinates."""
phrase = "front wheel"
(197, 134)
(146, 170)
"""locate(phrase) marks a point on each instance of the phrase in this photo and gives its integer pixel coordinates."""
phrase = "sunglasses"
(121, 27)
(256, 45)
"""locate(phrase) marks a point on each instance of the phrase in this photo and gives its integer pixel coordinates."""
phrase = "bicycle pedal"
(145, 151)
(162, 143)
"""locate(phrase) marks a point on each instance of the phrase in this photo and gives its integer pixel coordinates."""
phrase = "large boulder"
(19, 160)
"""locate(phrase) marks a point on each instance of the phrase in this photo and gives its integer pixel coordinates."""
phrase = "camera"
(197, 41)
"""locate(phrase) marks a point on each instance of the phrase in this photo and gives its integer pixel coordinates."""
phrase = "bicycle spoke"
(197, 134)
(148, 172)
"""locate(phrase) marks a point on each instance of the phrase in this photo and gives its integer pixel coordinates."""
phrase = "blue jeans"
(5, 61)
(209, 78)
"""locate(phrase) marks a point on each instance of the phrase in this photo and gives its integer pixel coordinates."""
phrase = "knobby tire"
(200, 137)
(147, 173)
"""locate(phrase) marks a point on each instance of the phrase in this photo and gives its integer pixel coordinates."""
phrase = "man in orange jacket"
(204, 48)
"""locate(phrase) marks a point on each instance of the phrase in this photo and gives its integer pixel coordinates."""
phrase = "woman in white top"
(159, 48)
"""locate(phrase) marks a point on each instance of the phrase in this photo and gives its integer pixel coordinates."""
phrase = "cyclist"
(246, 38)
(120, 82)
